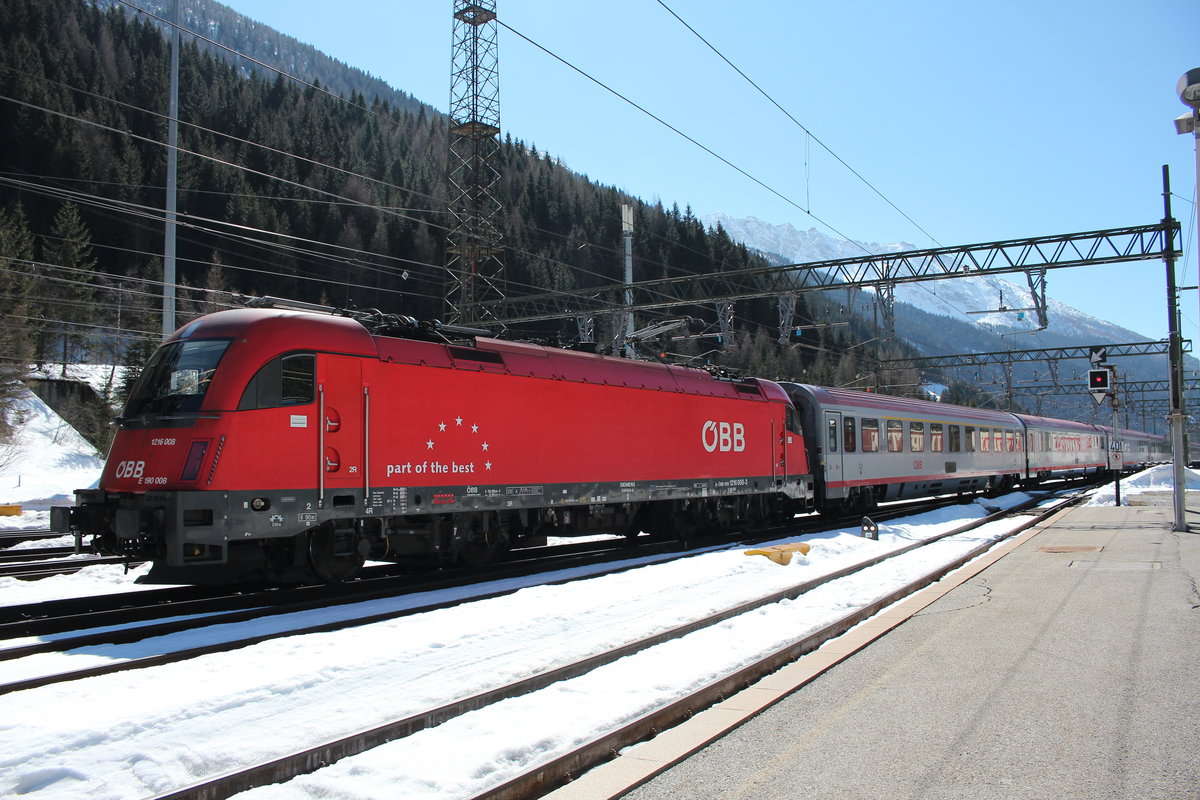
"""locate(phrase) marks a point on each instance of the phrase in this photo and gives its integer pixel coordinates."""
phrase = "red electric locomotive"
(275, 443)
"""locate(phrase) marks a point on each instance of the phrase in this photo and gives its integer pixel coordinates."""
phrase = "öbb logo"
(723, 436)
(130, 469)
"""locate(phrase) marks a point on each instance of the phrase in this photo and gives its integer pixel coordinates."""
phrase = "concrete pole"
(627, 233)
(1178, 447)
(1115, 443)
(168, 302)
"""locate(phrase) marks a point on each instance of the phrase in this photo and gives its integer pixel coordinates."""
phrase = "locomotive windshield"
(176, 378)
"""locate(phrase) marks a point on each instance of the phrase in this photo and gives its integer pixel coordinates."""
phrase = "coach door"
(341, 444)
(831, 451)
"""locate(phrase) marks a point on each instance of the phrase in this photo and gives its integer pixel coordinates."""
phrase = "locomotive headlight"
(260, 504)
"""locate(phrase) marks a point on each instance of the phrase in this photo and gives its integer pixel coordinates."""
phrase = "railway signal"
(1100, 384)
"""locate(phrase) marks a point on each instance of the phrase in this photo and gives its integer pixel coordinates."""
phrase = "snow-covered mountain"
(959, 299)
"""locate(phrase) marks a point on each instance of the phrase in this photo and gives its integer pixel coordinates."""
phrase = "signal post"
(1102, 383)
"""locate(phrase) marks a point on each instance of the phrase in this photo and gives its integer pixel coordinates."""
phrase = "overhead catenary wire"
(714, 154)
(266, 175)
(797, 122)
(339, 98)
(328, 199)
(672, 128)
(810, 136)
(288, 75)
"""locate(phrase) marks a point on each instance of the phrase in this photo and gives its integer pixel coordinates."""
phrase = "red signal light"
(1099, 380)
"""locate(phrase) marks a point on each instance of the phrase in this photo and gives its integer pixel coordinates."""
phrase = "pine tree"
(67, 252)
(16, 337)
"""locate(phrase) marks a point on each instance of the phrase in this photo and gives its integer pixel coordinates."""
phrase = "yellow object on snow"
(10, 511)
(781, 553)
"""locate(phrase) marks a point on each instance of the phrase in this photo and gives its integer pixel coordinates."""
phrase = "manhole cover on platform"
(1070, 549)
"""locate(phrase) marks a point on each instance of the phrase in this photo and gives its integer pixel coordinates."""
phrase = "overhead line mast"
(475, 270)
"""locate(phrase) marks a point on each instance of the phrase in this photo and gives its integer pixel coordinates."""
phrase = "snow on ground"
(468, 754)
(1155, 479)
(88, 582)
(141, 733)
(103, 378)
(44, 465)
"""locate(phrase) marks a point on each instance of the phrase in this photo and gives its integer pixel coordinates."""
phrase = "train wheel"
(483, 546)
(336, 555)
(684, 525)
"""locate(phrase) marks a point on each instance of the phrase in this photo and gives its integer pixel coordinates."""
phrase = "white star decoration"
(460, 422)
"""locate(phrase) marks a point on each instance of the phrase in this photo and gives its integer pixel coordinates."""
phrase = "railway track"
(107, 621)
(13, 536)
(32, 563)
(545, 776)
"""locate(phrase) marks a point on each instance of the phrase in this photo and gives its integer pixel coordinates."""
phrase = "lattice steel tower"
(473, 249)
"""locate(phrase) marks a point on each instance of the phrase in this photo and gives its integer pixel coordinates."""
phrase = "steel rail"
(31, 569)
(34, 554)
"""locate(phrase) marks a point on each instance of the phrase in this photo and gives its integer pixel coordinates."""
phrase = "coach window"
(284, 381)
(870, 435)
(848, 437)
(935, 437)
(955, 439)
(985, 440)
(895, 436)
(916, 437)
(998, 441)
(833, 435)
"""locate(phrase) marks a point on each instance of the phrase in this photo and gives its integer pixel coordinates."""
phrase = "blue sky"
(981, 121)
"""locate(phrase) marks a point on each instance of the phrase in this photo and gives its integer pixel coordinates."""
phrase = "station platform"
(1067, 667)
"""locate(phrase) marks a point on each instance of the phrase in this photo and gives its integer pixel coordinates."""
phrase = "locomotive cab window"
(176, 377)
(288, 380)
